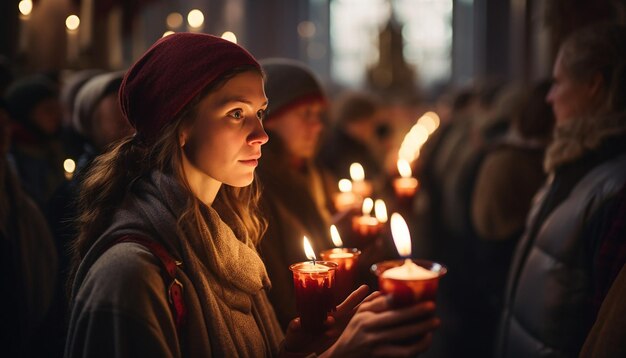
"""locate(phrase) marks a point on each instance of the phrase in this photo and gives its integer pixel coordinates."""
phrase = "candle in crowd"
(360, 186)
(314, 283)
(346, 260)
(366, 227)
(406, 185)
(407, 280)
(345, 199)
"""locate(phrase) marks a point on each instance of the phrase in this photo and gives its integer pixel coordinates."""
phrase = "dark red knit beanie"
(171, 73)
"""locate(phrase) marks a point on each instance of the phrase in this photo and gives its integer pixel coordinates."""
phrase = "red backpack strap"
(174, 287)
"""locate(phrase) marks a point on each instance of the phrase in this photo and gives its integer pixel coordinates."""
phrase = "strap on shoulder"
(174, 286)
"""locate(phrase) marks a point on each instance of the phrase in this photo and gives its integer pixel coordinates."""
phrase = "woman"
(174, 208)
(553, 281)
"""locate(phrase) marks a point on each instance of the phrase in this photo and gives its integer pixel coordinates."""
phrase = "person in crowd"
(352, 137)
(552, 284)
(501, 202)
(296, 194)
(36, 150)
(28, 260)
(166, 254)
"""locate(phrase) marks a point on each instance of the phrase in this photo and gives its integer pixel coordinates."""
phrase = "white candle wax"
(409, 271)
(311, 268)
(340, 255)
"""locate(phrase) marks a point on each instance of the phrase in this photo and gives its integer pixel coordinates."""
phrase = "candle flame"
(72, 22)
(25, 7)
(308, 250)
(401, 235)
(334, 235)
(380, 210)
(345, 185)
(404, 168)
(368, 205)
(69, 165)
(356, 172)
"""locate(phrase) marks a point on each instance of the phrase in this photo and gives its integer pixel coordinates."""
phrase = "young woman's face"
(569, 98)
(224, 142)
(299, 128)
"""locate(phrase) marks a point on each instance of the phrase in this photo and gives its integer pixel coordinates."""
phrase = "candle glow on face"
(368, 205)
(380, 210)
(404, 168)
(308, 249)
(334, 235)
(345, 185)
(401, 235)
(357, 173)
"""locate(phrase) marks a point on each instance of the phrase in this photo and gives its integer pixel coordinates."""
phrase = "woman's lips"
(250, 162)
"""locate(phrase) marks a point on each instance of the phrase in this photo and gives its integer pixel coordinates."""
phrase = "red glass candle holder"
(314, 286)
(346, 260)
(409, 291)
(366, 228)
(405, 187)
(362, 188)
(347, 201)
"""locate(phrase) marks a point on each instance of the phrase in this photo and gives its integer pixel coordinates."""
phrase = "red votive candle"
(314, 285)
(346, 260)
(409, 281)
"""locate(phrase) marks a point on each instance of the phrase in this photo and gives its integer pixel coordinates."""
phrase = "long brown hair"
(107, 182)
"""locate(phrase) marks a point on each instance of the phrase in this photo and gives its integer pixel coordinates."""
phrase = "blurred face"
(569, 98)
(299, 128)
(109, 123)
(47, 116)
(223, 144)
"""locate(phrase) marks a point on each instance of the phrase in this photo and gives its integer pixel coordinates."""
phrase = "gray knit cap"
(89, 96)
(288, 82)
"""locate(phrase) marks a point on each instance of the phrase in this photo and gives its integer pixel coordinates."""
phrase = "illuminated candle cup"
(406, 185)
(314, 283)
(360, 186)
(346, 260)
(345, 199)
(366, 227)
(408, 281)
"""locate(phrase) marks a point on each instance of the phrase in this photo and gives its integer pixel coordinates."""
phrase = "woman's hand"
(377, 329)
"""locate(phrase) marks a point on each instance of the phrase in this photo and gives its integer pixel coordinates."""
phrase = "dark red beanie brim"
(171, 73)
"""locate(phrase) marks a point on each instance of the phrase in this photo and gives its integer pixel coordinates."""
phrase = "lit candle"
(360, 186)
(346, 260)
(314, 285)
(407, 280)
(406, 185)
(345, 199)
(72, 23)
(366, 226)
(380, 210)
(69, 166)
(25, 7)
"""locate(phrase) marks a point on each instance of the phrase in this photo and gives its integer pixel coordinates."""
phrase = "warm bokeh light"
(368, 205)
(401, 235)
(306, 29)
(72, 22)
(380, 210)
(357, 173)
(230, 36)
(308, 249)
(174, 20)
(404, 168)
(430, 121)
(26, 7)
(69, 165)
(334, 235)
(345, 185)
(195, 18)
(167, 33)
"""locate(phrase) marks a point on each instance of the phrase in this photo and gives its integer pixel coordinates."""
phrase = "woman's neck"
(203, 186)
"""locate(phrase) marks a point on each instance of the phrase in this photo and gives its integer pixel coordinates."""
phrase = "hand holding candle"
(346, 259)
(409, 281)
(314, 285)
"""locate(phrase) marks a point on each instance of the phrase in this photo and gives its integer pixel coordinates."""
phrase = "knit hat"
(25, 94)
(171, 73)
(288, 83)
(89, 96)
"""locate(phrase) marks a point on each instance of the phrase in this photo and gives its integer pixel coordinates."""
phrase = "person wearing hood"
(36, 150)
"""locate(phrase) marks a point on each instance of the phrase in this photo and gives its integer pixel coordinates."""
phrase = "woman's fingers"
(398, 316)
(359, 295)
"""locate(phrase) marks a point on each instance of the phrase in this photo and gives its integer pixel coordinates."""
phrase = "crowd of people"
(199, 170)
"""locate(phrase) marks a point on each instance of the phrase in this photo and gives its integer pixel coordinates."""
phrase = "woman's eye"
(237, 114)
(260, 114)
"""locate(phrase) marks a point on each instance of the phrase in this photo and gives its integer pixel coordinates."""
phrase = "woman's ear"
(182, 137)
